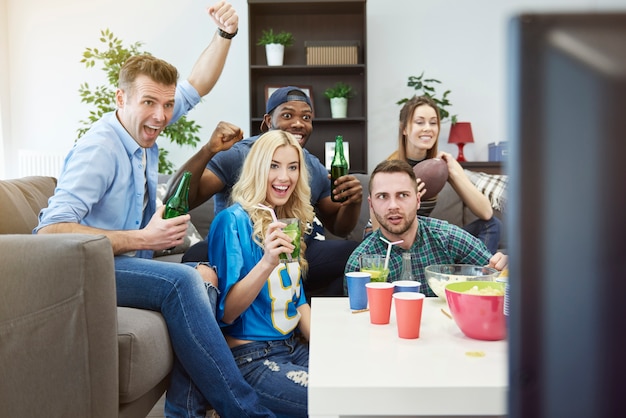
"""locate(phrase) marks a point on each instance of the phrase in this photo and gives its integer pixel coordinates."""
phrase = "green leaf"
(426, 87)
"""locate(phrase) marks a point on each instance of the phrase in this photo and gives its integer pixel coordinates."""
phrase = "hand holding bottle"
(338, 168)
(161, 234)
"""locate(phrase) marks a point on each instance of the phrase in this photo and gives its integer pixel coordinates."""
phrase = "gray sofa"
(66, 349)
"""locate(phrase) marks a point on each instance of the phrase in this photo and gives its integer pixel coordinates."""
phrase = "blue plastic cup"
(357, 294)
(406, 286)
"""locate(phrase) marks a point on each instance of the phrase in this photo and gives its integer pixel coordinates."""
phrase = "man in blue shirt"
(288, 109)
(108, 187)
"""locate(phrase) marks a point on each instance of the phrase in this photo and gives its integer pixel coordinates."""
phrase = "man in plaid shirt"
(394, 201)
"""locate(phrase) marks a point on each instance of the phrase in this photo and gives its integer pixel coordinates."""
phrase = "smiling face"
(295, 117)
(394, 202)
(421, 132)
(145, 109)
(283, 175)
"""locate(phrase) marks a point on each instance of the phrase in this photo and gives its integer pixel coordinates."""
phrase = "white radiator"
(37, 163)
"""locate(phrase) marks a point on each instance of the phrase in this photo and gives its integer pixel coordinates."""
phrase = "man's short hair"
(393, 166)
(158, 70)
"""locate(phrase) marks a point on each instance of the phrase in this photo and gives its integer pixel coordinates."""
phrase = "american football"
(434, 173)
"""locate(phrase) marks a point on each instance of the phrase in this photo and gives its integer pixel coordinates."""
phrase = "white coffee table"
(357, 369)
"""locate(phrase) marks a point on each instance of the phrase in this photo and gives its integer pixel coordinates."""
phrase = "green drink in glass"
(374, 264)
(293, 231)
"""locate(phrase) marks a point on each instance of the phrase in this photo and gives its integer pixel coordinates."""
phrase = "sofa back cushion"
(20, 202)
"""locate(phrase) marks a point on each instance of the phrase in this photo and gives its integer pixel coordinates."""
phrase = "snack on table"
(485, 291)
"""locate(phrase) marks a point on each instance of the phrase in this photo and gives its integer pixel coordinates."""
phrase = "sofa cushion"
(449, 206)
(145, 353)
(22, 199)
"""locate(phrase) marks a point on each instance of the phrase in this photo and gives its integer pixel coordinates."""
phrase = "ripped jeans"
(279, 372)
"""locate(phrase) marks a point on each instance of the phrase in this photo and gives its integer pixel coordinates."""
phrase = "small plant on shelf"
(269, 37)
(340, 89)
(426, 87)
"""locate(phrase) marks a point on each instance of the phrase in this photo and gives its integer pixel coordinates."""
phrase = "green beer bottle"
(338, 168)
(178, 204)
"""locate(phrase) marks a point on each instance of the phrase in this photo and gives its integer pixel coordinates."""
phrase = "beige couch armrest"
(58, 326)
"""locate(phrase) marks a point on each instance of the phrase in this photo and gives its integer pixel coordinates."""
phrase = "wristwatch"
(227, 35)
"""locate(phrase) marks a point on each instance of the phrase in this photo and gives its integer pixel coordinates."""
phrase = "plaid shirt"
(437, 242)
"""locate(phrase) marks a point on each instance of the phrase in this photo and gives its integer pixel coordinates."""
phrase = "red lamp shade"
(461, 134)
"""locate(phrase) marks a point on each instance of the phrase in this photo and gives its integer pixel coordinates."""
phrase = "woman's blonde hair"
(406, 114)
(251, 188)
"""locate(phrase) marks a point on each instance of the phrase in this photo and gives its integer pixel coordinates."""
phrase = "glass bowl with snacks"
(439, 275)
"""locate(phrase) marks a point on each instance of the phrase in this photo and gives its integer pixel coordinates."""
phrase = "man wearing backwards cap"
(288, 109)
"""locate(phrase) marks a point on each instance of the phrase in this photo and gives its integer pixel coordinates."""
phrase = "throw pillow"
(491, 185)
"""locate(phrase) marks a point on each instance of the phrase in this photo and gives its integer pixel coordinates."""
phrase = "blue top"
(102, 184)
(233, 253)
(437, 242)
(226, 165)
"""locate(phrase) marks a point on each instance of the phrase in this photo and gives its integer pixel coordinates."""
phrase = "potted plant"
(425, 87)
(275, 44)
(339, 95)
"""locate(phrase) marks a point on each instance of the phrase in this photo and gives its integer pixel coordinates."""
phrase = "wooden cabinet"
(313, 21)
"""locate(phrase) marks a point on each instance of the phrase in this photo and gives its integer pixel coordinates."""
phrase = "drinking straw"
(389, 244)
(262, 206)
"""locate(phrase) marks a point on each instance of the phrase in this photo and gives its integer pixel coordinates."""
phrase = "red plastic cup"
(409, 313)
(379, 300)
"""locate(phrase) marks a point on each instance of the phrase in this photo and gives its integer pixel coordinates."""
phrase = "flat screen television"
(567, 214)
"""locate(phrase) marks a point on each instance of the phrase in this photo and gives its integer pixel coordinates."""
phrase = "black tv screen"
(567, 214)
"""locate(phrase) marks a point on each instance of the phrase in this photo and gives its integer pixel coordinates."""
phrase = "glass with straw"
(292, 230)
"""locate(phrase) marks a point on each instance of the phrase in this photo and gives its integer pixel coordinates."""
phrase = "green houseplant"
(269, 37)
(426, 87)
(102, 98)
(275, 44)
(339, 95)
(340, 89)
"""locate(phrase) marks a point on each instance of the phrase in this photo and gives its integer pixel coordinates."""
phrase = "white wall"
(462, 43)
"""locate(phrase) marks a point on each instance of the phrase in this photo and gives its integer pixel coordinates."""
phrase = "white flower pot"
(338, 107)
(274, 54)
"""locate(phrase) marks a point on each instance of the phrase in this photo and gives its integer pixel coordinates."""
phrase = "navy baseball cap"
(284, 95)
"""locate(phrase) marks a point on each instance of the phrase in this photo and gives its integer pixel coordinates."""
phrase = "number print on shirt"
(284, 290)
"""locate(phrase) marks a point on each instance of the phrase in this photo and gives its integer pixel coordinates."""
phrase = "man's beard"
(394, 229)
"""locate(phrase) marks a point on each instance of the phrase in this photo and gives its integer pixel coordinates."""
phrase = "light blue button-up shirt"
(102, 183)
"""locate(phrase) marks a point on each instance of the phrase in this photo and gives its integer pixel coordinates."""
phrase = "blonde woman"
(262, 307)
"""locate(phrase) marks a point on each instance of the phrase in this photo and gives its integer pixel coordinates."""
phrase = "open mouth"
(152, 130)
(299, 136)
(281, 190)
(394, 219)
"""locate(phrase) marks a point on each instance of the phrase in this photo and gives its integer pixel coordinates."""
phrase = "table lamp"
(461, 134)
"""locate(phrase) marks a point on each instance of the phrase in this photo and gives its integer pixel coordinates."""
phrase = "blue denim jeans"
(486, 231)
(279, 371)
(204, 370)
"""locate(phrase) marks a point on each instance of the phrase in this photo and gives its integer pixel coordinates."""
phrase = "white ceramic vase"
(338, 107)
(274, 54)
